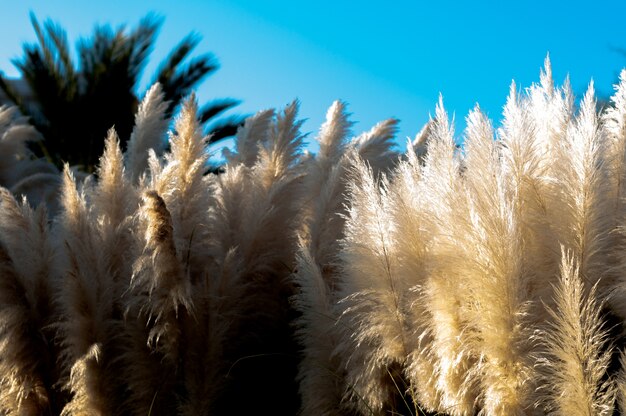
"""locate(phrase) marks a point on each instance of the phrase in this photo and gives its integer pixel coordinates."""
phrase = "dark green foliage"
(73, 104)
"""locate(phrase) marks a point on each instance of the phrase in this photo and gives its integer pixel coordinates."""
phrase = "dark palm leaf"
(178, 82)
(196, 70)
(62, 62)
(47, 66)
(48, 71)
(11, 93)
(74, 105)
(169, 66)
(216, 107)
(142, 41)
(225, 128)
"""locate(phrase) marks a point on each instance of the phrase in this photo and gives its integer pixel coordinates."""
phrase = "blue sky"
(386, 59)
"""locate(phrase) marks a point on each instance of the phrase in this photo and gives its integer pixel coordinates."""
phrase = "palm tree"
(73, 104)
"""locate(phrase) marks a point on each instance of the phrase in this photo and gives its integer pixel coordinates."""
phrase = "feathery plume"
(576, 352)
(319, 374)
(277, 157)
(419, 145)
(157, 306)
(373, 305)
(498, 282)
(529, 141)
(413, 235)
(444, 203)
(322, 227)
(148, 133)
(40, 189)
(113, 194)
(181, 185)
(620, 383)
(17, 163)
(333, 133)
(250, 139)
(114, 201)
(273, 199)
(550, 110)
(25, 235)
(23, 386)
(376, 145)
(85, 302)
(583, 220)
(322, 224)
(614, 126)
(256, 213)
(158, 274)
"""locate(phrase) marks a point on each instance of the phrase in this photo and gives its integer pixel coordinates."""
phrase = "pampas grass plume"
(577, 349)
(148, 133)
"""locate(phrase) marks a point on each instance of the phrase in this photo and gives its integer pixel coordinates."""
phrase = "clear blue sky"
(386, 59)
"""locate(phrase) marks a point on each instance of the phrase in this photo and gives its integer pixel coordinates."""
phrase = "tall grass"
(483, 279)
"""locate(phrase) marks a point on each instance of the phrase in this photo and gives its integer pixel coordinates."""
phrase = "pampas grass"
(374, 304)
(148, 133)
(576, 354)
(444, 211)
(24, 365)
(316, 273)
(85, 300)
(318, 264)
(459, 280)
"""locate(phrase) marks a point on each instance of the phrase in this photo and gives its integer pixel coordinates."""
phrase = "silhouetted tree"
(73, 104)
